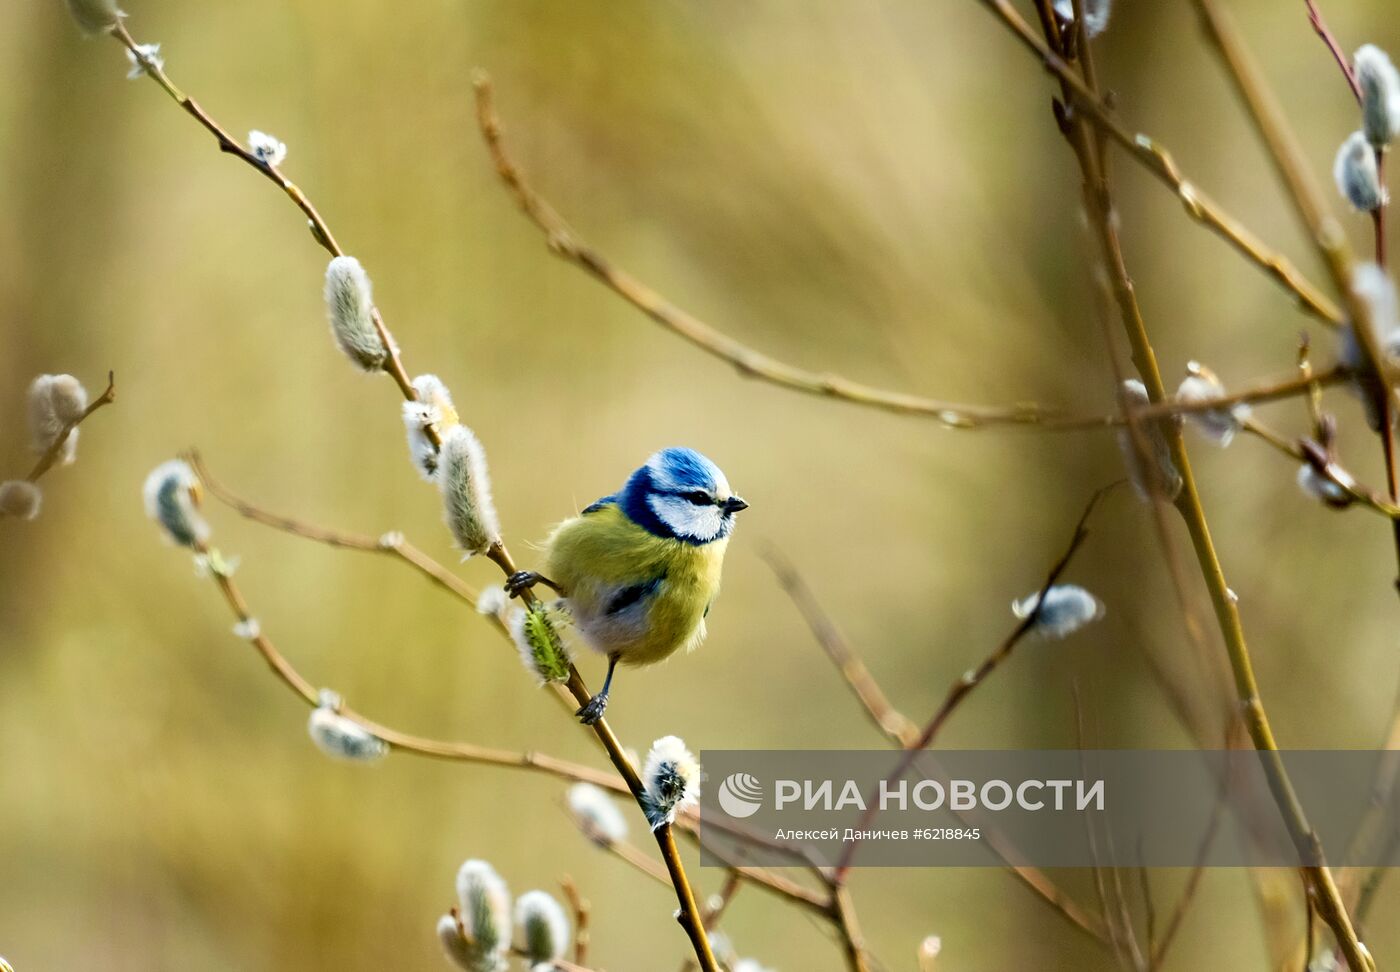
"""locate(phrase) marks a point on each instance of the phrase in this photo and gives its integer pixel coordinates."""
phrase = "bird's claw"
(520, 582)
(593, 709)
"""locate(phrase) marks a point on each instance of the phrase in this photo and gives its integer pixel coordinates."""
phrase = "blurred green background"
(870, 187)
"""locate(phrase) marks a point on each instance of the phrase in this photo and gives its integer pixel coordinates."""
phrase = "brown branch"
(390, 544)
(965, 685)
(565, 243)
(1328, 238)
(397, 739)
(1317, 456)
(886, 717)
(581, 909)
(1320, 26)
(773, 882)
(852, 938)
(689, 914)
(904, 733)
(1160, 163)
(55, 449)
(1188, 894)
(1120, 928)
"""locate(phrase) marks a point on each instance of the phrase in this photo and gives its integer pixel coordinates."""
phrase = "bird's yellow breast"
(597, 556)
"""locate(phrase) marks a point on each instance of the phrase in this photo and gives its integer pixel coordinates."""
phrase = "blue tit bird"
(639, 569)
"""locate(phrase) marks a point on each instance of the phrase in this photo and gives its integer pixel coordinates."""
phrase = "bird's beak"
(734, 504)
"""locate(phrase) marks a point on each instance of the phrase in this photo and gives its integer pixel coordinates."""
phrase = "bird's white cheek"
(685, 518)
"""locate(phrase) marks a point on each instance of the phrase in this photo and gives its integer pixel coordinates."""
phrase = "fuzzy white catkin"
(1374, 288)
(54, 401)
(484, 903)
(1358, 179)
(597, 815)
(1219, 425)
(1167, 476)
(169, 493)
(544, 926)
(928, 953)
(342, 738)
(457, 949)
(1068, 608)
(95, 16)
(750, 965)
(671, 777)
(433, 409)
(69, 397)
(143, 58)
(1318, 487)
(466, 492)
(350, 306)
(491, 601)
(1095, 14)
(20, 498)
(1380, 94)
(267, 149)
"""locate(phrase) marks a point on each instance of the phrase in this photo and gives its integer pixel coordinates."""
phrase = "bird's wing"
(597, 505)
(633, 594)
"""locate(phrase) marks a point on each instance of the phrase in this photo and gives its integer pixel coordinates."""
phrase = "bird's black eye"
(699, 497)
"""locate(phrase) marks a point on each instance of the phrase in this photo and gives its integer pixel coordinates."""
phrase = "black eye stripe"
(699, 498)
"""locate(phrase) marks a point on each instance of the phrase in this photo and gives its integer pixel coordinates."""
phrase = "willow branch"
(391, 544)
(565, 243)
(1320, 26)
(1318, 458)
(872, 698)
(1188, 503)
(852, 938)
(1159, 162)
(289, 676)
(960, 689)
(903, 732)
(50, 455)
(760, 877)
(581, 909)
(689, 914)
(1193, 883)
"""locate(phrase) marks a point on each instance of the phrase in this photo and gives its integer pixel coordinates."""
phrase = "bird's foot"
(593, 710)
(521, 581)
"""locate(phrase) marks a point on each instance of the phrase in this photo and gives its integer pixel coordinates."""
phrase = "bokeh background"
(875, 188)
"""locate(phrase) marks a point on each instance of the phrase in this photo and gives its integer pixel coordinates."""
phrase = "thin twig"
(581, 909)
(1158, 161)
(689, 914)
(1319, 25)
(1091, 839)
(1188, 893)
(564, 242)
(901, 730)
(873, 700)
(50, 455)
(391, 544)
(852, 938)
(1315, 455)
(397, 739)
(960, 689)
(1331, 245)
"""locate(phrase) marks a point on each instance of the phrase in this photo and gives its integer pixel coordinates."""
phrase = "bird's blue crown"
(681, 495)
